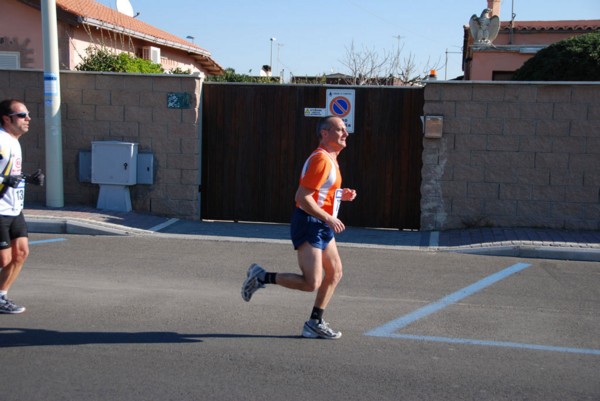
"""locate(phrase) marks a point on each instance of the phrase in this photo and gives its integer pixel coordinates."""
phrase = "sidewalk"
(518, 242)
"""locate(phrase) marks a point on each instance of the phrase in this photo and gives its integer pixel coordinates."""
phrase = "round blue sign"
(339, 106)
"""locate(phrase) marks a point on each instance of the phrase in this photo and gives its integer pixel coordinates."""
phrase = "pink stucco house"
(84, 23)
(517, 41)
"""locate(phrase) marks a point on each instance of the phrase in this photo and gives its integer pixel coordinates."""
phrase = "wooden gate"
(255, 139)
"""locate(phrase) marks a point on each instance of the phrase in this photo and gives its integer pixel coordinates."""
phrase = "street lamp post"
(271, 59)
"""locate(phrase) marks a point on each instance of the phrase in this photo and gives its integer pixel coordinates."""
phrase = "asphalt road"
(161, 318)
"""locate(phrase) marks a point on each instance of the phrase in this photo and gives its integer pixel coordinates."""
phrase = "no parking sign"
(340, 103)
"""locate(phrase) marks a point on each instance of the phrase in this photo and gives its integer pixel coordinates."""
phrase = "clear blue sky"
(312, 36)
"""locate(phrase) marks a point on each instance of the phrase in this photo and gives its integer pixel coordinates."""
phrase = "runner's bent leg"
(14, 258)
(332, 265)
(310, 262)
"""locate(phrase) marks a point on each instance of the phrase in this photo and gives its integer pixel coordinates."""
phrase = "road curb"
(533, 251)
(53, 225)
(575, 252)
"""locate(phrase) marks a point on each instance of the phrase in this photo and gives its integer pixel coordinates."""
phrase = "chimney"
(494, 5)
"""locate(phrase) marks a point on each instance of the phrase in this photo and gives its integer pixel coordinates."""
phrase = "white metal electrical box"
(145, 168)
(114, 163)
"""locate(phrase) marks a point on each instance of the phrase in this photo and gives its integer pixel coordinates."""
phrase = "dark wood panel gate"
(255, 139)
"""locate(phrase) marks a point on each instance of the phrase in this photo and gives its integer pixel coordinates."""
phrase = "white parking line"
(44, 241)
(395, 325)
(389, 330)
(160, 226)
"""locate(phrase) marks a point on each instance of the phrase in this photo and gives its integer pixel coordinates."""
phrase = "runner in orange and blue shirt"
(321, 173)
(313, 228)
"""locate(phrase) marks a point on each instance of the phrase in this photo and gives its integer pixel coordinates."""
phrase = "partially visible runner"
(14, 244)
(313, 228)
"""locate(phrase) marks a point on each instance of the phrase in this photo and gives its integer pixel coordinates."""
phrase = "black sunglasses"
(20, 115)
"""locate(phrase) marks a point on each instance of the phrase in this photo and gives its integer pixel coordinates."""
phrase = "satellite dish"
(124, 7)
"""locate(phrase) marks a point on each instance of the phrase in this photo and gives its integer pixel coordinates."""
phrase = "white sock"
(3, 294)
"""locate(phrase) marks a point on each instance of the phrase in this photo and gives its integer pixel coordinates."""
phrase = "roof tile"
(90, 9)
(566, 25)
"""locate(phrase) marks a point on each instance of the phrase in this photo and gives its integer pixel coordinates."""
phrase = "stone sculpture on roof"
(484, 28)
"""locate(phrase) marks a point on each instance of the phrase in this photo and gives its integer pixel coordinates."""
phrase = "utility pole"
(446, 64)
(54, 158)
(398, 37)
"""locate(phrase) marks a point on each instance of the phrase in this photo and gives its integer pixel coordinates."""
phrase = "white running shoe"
(251, 284)
(8, 306)
(314, 329)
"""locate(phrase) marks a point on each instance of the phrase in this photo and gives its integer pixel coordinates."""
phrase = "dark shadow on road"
(221, 335)
(19, 337)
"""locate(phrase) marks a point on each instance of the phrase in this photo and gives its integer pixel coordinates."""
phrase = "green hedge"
(107, 61)
(573, 59)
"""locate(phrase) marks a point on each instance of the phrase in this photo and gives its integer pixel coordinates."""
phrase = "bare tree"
(368, 67)
(365, 64)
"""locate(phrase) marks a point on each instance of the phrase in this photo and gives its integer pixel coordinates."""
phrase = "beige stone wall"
(512, 154)
(117, 107)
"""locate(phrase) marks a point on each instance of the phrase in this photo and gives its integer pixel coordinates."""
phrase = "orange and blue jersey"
(321, 173)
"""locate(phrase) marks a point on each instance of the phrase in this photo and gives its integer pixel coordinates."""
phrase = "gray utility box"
(114, 163)
(114, 167)
(145, 167)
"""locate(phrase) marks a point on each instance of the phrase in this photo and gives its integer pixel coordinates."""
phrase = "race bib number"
(20, 195)
(337, 202)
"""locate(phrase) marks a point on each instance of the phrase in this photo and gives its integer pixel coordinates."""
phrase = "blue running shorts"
(307, 228)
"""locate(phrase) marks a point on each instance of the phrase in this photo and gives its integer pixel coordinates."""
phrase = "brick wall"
(512, 154)
(117, 107)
